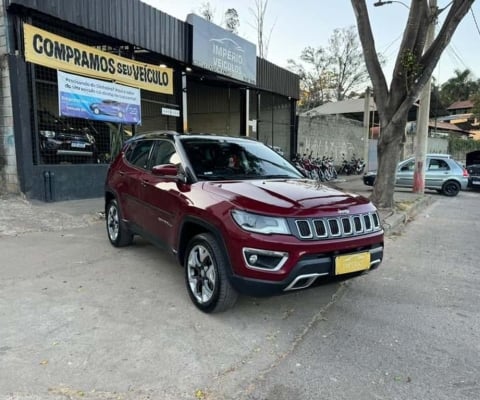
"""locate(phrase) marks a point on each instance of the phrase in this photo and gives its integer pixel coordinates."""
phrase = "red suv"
(237, 215)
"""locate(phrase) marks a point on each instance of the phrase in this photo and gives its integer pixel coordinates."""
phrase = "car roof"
(439, 155)
(430, 155)
(172, 134)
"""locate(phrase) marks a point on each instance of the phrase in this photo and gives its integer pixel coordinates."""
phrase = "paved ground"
(81, 319)
(408, 331)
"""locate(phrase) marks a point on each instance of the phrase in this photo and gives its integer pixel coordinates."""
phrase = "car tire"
(117, 231)
(450, 188)
(206, 275)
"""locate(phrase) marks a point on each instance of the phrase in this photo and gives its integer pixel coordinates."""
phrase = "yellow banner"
(53, 51)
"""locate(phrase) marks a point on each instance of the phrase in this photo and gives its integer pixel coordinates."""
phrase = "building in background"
(79, 78)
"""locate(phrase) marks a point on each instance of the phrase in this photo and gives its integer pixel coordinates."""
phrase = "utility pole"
(424, 113)
(366, 126)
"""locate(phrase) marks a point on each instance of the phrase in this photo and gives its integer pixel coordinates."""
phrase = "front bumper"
(305, 272)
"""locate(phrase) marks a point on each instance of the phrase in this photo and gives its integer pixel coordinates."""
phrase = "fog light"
(264, 260)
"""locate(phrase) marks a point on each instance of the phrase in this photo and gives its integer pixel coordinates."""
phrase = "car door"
(130, 180)
(405, 172)
(160, 195)
(437, 172)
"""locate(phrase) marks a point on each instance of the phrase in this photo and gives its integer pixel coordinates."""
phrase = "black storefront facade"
(92, 73)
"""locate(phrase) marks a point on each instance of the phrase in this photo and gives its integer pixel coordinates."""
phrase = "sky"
(296, 24)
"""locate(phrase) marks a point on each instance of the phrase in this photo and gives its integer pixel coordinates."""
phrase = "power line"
(457, 56)
(475, 20)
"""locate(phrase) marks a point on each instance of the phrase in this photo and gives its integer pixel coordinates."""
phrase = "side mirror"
(166, 170)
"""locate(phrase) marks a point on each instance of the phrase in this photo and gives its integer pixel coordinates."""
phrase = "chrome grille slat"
(304, 229)
(320, 228)
(334, 227)
(337, 227)
(347, 226)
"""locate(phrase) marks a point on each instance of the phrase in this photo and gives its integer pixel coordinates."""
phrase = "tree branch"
(371, 58)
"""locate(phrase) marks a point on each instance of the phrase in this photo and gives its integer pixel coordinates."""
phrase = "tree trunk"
(388, 155)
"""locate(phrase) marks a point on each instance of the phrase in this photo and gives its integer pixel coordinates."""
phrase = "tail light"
(465, 173)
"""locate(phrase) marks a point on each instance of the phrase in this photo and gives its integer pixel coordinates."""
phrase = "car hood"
(285, 197)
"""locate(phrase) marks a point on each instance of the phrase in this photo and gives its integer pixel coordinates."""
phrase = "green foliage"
(458, 145)
(411, 68)
(476, 105)
(460, 87)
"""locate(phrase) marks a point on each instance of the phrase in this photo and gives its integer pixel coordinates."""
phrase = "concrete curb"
(394, 222)
(407, 203)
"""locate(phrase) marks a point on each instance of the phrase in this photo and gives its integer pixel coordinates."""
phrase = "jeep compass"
(238, 216)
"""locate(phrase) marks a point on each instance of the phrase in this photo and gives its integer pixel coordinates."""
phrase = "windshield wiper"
(278, 176)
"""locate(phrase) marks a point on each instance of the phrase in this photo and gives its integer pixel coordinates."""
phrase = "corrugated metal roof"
(341, 107)
(461, 104)
(131, 21)
(446, 126)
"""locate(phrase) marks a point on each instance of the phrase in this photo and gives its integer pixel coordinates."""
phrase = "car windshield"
(221, 159)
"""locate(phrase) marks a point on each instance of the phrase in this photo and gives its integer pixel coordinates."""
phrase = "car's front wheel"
(451, 188)
(206, 277)
(118, 233)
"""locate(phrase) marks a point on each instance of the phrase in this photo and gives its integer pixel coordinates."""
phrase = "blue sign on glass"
(87, 98)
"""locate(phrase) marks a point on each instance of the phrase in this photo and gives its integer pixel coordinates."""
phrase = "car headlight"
(260, 223)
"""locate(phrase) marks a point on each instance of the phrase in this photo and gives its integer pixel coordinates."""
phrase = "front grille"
(336, 227)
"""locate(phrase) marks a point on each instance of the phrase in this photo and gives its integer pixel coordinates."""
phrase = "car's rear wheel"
(451, 188)
(205, 275)
(118, 233)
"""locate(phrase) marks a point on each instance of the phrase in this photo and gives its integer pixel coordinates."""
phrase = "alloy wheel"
(113, 224)
(201, 274)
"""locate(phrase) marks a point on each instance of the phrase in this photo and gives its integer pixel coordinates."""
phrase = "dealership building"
(80, 77)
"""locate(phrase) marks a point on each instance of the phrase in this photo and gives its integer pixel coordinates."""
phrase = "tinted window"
(137, 154)
(217, 158)
(409, 166)
(164, 153)
(438, 165)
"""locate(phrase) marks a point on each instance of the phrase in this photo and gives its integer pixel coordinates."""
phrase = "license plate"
(476, 182)
(78, 145)
(352, 263)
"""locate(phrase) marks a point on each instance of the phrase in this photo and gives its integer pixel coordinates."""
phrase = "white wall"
(329, 135)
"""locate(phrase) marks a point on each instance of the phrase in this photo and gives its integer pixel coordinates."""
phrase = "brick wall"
(8, 161)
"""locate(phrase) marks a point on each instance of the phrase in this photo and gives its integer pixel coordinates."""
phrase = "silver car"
(443, 174)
